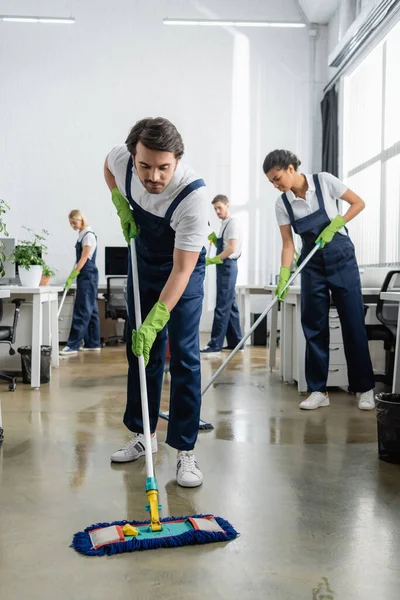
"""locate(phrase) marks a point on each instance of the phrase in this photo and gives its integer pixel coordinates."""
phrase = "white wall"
(69, 93)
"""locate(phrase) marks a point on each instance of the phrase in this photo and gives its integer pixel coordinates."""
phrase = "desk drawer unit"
(337, 374)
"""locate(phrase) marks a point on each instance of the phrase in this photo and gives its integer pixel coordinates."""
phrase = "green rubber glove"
(284, 276)
(129, 228)
(143, 339)
(74, 273)
(327, 234)
(214, 261)
(213, 238)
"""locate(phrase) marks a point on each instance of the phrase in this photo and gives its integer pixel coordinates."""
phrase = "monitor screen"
(116, 260)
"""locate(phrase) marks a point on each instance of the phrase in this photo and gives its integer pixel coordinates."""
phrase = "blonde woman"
(85, 322)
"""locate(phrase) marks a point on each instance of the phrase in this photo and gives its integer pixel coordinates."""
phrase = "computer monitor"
(116, 260)
(9, 267)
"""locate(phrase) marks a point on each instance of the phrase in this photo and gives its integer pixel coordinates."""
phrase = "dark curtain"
(330, 134)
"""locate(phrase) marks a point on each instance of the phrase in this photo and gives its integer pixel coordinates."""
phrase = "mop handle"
(63, 298)
(260, 318)
(209, 250)
(62, 303)
(142, 367)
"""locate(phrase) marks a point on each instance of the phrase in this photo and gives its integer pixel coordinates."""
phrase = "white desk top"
(295, 289)
(393, 296)
(20, 289)
(4, 293)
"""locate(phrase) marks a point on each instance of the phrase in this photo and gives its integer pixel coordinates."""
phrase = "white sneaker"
(84, 349)
(367, 401)
(67, 351)
(315, 400)
(188, 473)
(134, 449)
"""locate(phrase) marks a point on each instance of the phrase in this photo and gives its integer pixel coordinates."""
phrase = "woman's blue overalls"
(155, 247)
(332, 270)
(85, 321)
(226, 320)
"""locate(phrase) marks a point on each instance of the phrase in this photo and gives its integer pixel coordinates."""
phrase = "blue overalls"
(333, 269)
(226, 320)
(85, 321)
(155, 247)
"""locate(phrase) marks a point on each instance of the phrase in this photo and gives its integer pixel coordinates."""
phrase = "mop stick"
(63, 298)
(151, 483)
(62, 303)
(258, 321)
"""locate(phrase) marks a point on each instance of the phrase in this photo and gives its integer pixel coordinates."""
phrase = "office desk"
(45, 295)
(293, 344)
(395, 297)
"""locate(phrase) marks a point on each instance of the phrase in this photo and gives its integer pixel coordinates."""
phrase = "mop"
(203, 425)
(127, 536)
(260, 318)
(63, 298)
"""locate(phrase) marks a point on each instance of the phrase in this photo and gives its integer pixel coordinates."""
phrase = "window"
(371, 151)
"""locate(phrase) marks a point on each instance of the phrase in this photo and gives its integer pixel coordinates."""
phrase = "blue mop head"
(176, 532)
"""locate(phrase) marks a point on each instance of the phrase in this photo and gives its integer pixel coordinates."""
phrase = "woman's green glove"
(214, 261)
(143, 339)
(129, 228)
(74, 273)
(213, 238)
(327, 234)
(284, 276)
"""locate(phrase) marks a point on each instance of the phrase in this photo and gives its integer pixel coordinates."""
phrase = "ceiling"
(319, 11)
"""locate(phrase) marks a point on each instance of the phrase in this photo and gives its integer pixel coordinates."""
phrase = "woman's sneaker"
(315, 400)
(67, 351)
(367, 401)
(134, 449)
(188, 473)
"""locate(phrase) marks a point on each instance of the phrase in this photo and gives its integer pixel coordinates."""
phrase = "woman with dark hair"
(308, 205)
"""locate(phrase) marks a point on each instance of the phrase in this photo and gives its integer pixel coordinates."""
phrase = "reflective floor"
(318, 513)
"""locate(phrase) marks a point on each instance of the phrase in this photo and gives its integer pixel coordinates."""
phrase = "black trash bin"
(388, 419)
(26, 363)
(259, 335)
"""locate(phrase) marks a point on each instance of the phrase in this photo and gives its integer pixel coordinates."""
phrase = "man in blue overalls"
(167, 214)
(226, 321)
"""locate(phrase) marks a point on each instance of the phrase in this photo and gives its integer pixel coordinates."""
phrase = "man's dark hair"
(156, 134)
(280, 159)
(220, 198)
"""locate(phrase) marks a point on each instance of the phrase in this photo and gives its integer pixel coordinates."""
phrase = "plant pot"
(30, 277)
(45, 280)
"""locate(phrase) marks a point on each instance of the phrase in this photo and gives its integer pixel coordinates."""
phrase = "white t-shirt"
(90, 239)
(189, 220)
(332, 189)
(231, 230)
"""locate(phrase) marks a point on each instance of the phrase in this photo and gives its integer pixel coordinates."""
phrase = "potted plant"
(47, 274)
(3, 231)
(28, 256)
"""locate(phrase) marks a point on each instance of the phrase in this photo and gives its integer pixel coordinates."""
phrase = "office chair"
(387, 314)
(115, 305)
(7, 336)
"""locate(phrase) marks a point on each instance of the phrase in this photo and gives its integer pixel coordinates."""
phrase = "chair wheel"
(12, 386)
(12, 351)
